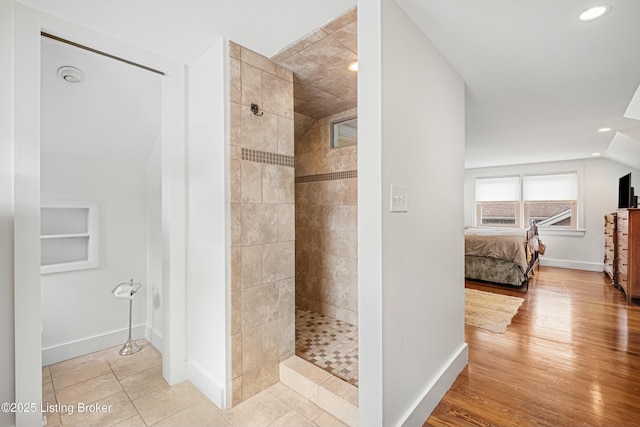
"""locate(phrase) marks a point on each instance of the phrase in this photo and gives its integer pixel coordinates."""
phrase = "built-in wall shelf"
(68, 235)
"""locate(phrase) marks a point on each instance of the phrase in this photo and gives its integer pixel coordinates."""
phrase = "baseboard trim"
(69, 350)
(206, 383)
(434, 392)
(154, 336)
(574, 265)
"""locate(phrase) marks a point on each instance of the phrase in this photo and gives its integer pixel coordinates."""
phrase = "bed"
(502, 255)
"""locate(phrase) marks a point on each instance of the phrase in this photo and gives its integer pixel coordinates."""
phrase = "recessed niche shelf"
(68, 236)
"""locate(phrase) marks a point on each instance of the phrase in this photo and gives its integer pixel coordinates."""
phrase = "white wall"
(412, 117)
(6, 210)
(79, 313)
(599, 192)
(208, 242)
(154, 245)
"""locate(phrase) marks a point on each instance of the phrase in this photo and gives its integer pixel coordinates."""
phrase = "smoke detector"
(70, 74)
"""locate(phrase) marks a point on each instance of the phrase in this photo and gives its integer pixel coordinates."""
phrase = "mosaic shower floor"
(328, 343)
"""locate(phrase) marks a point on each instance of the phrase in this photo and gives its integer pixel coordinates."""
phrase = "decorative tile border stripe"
(266, 157)
(327, 176)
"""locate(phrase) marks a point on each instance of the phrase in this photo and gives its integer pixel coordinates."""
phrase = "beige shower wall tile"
(335, 242)
(236, 312)
(278, 337)
(334, 293)
(284, 73)
(344, 218)
(235, 181)
(302, 263)
(286, 297)
(347, 162)
(277, 261)
(353, 295)
(311, 141)
(236, 355)
(346, 18)
(283, 55)
(353, 244)
(235, 126)
(309, 193)
(252, 353)
(236, 269)
(336, 192)
(250, 181)
(259, 132)
(309, 240)
(251, 266)
(340, 269)
(277, 184)
(235, 213)
(259, 305)
(286, 222)
(259, 379)
(236, 391)
(251, 85)
(235, 152)
(259, 224)
(234, 50)
(277, 95)
(285, 136)
(311, 38)
(235, 80)
(257, 60)
(348, 36)
(325, 51)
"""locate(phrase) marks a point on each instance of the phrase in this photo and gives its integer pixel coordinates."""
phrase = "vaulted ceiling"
(540, 83)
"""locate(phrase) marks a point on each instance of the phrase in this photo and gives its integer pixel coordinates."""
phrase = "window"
(344, 133)
(550, 199)
(498, 201)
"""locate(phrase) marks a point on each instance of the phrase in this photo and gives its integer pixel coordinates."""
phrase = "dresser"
(627, 255)
(610, 246)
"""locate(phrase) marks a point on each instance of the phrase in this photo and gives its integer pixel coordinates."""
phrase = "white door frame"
(28, 24)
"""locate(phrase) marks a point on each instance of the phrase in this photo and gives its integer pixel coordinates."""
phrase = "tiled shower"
(293, 208)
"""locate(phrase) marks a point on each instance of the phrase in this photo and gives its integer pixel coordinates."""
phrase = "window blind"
(550, 187)
(502, 189)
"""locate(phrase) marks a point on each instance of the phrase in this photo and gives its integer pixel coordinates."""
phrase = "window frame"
(577, 209)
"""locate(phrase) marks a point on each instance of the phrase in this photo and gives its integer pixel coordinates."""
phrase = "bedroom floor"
(570, 357)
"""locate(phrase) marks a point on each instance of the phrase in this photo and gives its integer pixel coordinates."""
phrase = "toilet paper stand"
(127, 290)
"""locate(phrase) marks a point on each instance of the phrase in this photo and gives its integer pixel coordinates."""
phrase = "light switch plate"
(399, 198)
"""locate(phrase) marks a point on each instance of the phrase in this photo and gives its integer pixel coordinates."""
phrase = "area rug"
(490, 311)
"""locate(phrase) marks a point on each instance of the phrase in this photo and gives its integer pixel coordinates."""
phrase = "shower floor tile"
(328, 343)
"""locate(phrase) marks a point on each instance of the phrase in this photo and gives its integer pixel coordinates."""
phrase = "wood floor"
(571, 357)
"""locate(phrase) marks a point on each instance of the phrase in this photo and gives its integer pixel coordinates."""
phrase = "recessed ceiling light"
(594, 12)
(70, 74)
(353, 66)
(604, 129)
(595, 154)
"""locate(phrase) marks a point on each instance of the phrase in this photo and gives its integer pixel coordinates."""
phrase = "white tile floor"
(133, 390)
(328, 343)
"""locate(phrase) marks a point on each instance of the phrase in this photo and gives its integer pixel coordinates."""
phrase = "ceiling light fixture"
(594, 13)
(595, 154)
(70, 74)
(604, 129)
(353, 67)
